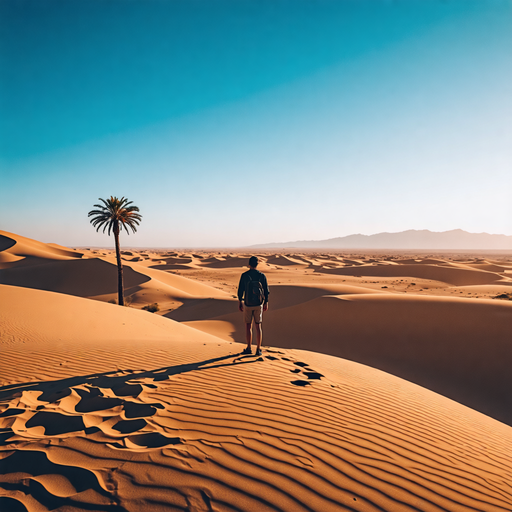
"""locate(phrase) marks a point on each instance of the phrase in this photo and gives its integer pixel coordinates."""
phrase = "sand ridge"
(18, 250)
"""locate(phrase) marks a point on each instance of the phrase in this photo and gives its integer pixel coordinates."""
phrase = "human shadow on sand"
(120, 384)
(93, 399)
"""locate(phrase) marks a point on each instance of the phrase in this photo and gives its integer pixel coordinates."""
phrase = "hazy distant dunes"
(456, 239)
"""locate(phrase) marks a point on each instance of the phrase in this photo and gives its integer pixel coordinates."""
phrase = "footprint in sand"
(11, 412)
(129, 426)
(306, 371)
(128, 390)
(135, 410)
(301, 383)
(56, 424)
(94, 401)
(152, 440)
(303, 367)
(313, 375)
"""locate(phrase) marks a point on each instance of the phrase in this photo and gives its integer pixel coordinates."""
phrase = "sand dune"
(172, 260)
(457, 347)
(17, 250)
(454, 276)
(210, 430)
(489, 267)
(110, 408)
(282, 260)
(190, 287)
(60, 248)
(349, 262)
(172, 266)
(174, 263)
(482, 290)
(200, 309)
(47, 335)
(226, 263)
(286, 295)
(423, 261)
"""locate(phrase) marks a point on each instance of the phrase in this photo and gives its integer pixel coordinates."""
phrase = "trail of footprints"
(307, 372)
(298, 367)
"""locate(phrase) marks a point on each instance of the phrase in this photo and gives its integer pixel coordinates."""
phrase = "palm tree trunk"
(120, 287)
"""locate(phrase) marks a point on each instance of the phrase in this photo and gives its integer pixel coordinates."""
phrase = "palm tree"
(115, 214)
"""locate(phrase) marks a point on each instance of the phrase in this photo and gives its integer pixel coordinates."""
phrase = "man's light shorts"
(251, 312)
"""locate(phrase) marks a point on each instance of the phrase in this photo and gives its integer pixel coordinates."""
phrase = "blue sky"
(231, 123)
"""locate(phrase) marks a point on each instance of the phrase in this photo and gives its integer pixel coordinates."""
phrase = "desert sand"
(384, 382)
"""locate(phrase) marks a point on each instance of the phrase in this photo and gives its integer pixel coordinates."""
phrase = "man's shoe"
(258, 352)
(247, 350)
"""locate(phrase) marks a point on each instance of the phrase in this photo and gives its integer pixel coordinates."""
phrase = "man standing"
(253, 300)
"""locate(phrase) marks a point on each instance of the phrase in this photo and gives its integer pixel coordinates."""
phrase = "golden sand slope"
(49, 335)
(460, 348)
(162, 417)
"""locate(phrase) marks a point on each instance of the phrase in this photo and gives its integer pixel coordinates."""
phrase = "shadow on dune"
(202, 309)
(120, 385)
(227, 263)
(34, 464)
(170, 266)
(283, 296)
(83, 278)
(6, 243)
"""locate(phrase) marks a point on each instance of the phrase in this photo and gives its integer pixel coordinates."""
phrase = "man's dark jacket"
(255, 275)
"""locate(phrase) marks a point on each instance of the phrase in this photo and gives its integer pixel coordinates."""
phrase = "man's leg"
(248, 334)
(257, 328)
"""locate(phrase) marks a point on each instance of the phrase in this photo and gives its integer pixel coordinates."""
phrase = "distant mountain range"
(413, 239)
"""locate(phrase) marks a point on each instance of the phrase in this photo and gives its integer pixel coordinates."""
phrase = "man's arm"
(266, 291)
(241, 289)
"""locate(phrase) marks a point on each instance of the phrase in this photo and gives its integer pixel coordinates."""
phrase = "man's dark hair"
(253, 261)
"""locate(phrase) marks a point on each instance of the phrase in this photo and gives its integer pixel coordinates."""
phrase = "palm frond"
(115, 212)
